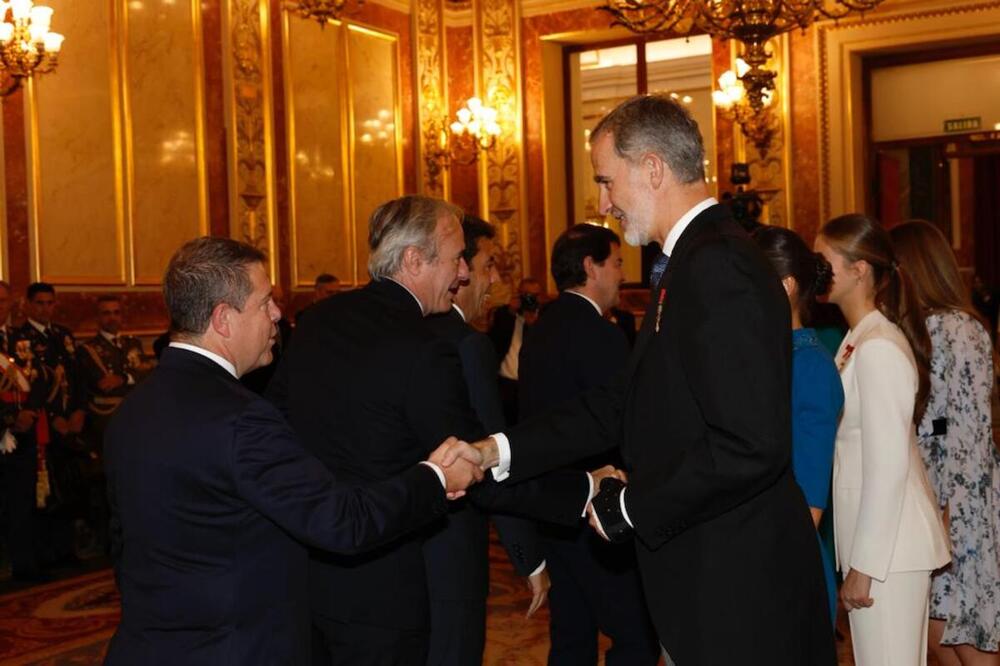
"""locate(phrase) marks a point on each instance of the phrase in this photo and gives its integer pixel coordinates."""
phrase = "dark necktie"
(656, 272)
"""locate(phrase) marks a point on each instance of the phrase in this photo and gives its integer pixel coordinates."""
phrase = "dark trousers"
(23, 519)
(458, 633)
(353, 644)
(595, 587)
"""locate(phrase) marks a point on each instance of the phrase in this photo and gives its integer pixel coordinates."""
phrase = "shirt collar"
(682, 224)
(460, 312)
(229, 367)
(588, 299)
(42, 328)
(419, 304)
(110, 337)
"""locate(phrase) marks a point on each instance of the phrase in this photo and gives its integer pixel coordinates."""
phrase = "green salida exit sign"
(963, 124)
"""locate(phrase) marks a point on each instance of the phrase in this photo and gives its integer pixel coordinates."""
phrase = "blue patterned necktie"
(656, 272)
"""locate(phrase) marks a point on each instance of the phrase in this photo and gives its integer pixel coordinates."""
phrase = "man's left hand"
(595, 522)
(539, 585)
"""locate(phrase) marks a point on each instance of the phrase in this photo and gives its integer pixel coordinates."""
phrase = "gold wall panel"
(375, 148)
(343, 116)
(76, 211)
(314, 108)
(164, 130)
(246, 46)
(498, 74)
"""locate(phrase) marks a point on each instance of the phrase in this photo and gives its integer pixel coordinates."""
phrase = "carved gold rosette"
(432, 89)
(497, 36)
(250, 140)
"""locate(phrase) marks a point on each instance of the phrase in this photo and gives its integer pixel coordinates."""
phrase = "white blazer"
(885, 516)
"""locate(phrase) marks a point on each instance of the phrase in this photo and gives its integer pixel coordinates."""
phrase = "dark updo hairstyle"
(790, 257)
(857, 237)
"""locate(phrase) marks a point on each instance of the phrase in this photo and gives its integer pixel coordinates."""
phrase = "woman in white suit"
(887, 528)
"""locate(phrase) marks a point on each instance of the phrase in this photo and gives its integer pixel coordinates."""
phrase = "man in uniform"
(54, 418)
(110, 364)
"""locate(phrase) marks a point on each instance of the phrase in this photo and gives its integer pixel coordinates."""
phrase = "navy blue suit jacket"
(212, 498)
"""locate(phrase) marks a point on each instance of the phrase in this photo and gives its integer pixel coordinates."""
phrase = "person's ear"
(655, 169)
(412, 260)
(221, 320)
(590, 268)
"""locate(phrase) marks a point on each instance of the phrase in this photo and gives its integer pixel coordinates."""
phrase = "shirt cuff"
(540, 569)
(621, 500)
(502, 470)
(437, 470)
(590, 493)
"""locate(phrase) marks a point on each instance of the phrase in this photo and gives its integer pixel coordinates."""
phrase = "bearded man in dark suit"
(726, 547)
(212, 497)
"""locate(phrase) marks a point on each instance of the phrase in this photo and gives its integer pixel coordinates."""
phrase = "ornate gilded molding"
(826, 31)
(769, 174)
(497, 41)
(250, 140)
(432, 92)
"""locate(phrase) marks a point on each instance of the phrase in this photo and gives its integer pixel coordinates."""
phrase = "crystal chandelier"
(751, 22)
(320, 10)
(26, 45)
(731, 100)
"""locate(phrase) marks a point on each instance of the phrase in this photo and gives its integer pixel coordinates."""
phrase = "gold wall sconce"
(474, 130)
(27, 47)
(757, 125)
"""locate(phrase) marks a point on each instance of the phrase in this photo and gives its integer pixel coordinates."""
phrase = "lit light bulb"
(457, 128)
(41, 17)
(6, 31)
(21, 9)
(474, 103)
(53, 42)
(741, 67)
(464, 115)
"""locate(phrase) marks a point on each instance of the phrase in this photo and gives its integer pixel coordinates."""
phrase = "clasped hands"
(463, 464)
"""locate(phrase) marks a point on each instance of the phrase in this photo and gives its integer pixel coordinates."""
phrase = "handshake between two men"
(463, 464)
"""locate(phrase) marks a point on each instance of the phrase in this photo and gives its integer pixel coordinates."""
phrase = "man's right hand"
(483, 453)
(24, 420)
(460, 464)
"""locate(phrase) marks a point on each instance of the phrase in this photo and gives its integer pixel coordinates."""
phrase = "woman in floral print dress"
(956, 443)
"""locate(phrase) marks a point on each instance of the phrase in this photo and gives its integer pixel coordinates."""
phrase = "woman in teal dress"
(817, 392)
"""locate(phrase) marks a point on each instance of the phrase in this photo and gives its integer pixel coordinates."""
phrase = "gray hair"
(204, 272)
(405, 222)
(656, 124)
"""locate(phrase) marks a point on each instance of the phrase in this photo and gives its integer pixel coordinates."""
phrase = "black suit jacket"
(456, 553)
(572, 349)
(726, 548)
(372, 389)
(211, 498)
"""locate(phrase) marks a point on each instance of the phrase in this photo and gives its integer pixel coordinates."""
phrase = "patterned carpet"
(69, 623)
